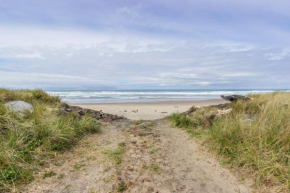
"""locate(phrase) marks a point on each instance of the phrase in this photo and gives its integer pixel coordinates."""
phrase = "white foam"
(87, 96)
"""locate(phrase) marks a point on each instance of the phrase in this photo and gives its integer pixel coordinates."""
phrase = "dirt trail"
(148, 157)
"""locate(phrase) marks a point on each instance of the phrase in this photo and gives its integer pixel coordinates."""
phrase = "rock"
(205, 121)
(208, 120)
(62, 112)
(19, 106)
(221, 106)
(190, 110)
(99, 115)
(223, 112)
(234, 98)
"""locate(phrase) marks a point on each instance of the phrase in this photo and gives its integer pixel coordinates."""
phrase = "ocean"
(119, 96)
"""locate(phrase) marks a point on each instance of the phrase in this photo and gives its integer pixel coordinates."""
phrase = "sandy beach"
(147, 110)
(145, 156)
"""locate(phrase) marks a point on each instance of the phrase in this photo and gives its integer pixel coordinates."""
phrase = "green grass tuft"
(121, 187)
(49, 174)
(138, 122)
(155, 168)
(116, 154)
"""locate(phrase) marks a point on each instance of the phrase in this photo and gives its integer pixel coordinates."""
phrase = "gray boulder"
(234, 98)
(19, 106)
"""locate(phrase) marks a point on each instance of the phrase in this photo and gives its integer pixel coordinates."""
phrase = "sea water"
(118, 96)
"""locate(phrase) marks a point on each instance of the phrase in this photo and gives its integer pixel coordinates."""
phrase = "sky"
(149, 44)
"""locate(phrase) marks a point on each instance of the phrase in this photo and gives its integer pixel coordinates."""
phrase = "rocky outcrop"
(190, 110)
(221, 106)
(99, 115)
(19, 106)
(234, 98)
(208, 114)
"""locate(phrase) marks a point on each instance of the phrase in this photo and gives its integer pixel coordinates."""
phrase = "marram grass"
(27, 141)
(255, 136)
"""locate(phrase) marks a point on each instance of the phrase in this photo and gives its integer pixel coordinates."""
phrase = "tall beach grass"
(254, 136)
(27, 141)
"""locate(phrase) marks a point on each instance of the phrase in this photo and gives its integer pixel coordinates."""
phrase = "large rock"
(99, 115)
(19, 106)
(190, 110)
(234, 98)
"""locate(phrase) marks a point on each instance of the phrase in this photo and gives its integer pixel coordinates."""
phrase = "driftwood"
(234, 98)
(223, 112)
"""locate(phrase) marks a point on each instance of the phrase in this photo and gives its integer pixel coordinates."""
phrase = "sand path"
(149, 157)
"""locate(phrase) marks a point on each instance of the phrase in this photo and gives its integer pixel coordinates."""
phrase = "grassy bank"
(254, 136)
(27, 141)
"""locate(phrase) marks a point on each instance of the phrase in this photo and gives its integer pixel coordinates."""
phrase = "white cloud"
(240, 74)
(179, 75)
(30, 36)
(34, 55)
(51, 58)
(280, 55)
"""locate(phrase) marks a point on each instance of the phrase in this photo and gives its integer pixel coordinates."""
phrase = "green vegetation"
(116, 154)
(138, 122)
(49, 174)
(78, 166)
(60, 176)
(153, 168)
(121, 187)
(254, 136)
(153, 151)
(28, 141)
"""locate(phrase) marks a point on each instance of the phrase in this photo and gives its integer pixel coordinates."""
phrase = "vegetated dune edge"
(146, 156)
(138, 156)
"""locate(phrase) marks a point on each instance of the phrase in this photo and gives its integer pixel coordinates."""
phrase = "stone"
(221, 106)
(19, 106)
(223, 112)
(234, 98)
(190, 110)
(99, 115)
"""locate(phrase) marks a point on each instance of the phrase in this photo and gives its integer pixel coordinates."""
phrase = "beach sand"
(147, 110)
(151, 156)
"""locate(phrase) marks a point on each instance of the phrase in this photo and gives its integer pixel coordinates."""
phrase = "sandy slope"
(157, 158)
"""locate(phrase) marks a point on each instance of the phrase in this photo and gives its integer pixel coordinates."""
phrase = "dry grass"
(26, 142)
(255, 136)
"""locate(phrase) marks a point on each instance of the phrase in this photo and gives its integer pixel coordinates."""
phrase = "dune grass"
(254, 136)
(116, 154)
(28, 141)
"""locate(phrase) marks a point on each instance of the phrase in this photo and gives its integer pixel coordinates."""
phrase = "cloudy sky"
(134, 44)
